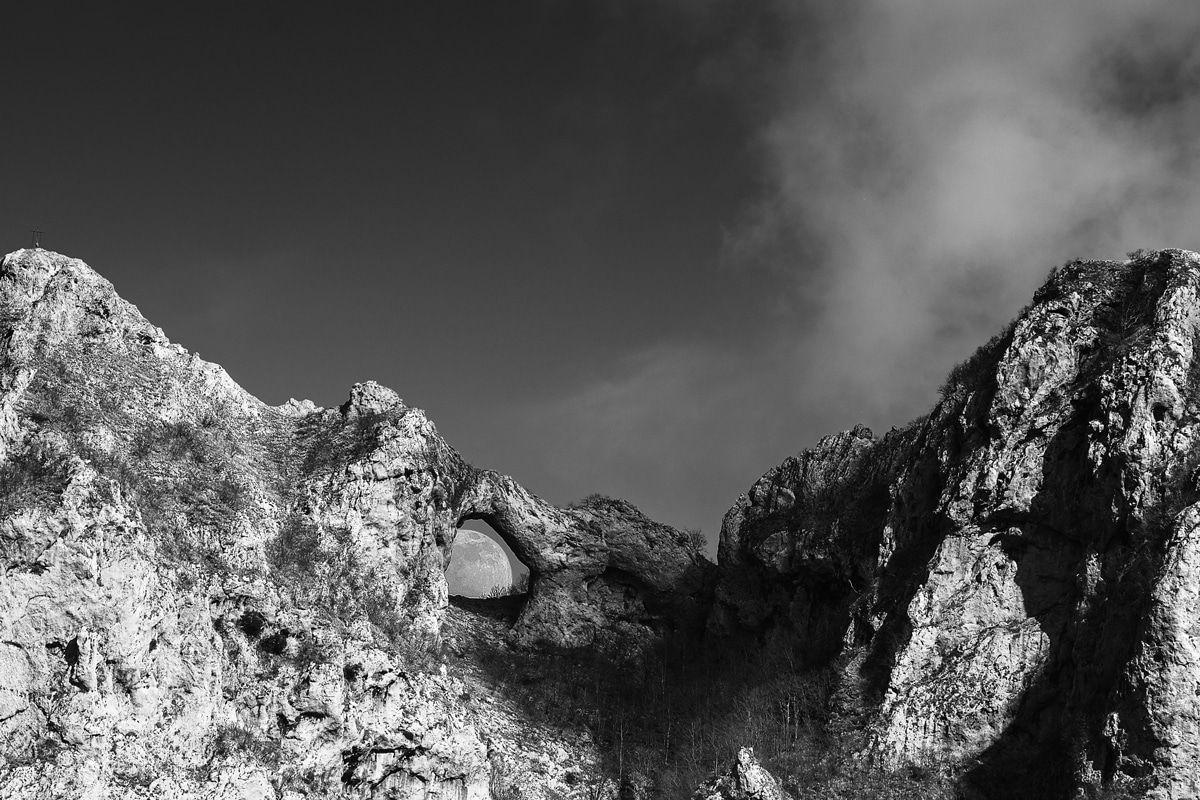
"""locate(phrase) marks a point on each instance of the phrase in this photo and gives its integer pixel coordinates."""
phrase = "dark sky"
(641, 248)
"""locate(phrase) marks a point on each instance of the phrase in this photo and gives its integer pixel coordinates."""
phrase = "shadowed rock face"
(185, 567)
(1012, 581)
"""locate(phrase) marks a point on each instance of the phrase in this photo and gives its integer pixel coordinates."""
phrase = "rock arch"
(599, 572)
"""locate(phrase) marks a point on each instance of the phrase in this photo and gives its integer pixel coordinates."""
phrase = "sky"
(646, 248)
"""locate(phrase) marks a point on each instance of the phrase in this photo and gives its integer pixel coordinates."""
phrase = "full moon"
(477, 565)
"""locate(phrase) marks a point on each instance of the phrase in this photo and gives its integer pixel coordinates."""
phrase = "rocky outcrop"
(745, 780)
(601, 572)
(1010, 583)
(206, 596)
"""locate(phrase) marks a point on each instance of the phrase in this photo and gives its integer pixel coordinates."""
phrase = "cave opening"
(483, 565)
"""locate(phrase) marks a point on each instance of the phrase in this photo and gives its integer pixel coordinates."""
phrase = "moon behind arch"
(478, 564)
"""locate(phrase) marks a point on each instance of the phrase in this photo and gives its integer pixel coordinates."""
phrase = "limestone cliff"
(1010, 586)
(206, 596)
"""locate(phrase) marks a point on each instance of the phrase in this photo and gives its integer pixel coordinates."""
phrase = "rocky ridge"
(1008, 587)
(206, 596)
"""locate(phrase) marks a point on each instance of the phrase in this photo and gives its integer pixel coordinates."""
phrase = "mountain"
(1007, 590)
(207, 596)
(204, 596)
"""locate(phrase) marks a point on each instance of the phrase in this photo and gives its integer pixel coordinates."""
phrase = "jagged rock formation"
(206, 596)
(745, 780)
(1010, 585)
(601, 573)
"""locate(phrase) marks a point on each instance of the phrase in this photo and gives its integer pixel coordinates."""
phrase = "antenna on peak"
(37, 238)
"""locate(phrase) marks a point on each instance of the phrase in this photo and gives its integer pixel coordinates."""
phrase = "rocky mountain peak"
(206, 596)
(186, 567)
(1006, 581)
(371, 398)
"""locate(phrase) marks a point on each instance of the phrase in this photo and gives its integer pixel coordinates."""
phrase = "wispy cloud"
(932, 160)
(925, 163)
(659, 430)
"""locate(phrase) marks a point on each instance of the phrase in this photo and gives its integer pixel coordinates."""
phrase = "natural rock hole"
(482, 564)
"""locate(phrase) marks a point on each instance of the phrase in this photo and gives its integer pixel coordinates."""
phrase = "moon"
(477, 565)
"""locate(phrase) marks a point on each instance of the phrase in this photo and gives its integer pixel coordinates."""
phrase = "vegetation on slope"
(669, 722)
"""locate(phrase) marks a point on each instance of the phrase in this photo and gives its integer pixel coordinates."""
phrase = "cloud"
(934, 158)
(679, 429)
(925, 163)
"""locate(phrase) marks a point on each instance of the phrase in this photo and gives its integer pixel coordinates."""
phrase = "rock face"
(203, 596)
(600, 573)
(1011, 584)
(206, 596)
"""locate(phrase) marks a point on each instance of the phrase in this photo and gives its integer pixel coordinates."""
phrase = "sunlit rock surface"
(745, 780)
(1011, 583)
(205, 596)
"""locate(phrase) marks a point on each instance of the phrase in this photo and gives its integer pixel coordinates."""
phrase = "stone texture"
(1011, 581)
(204, 596)
(745, 780)
(207, 597)
(601, 573)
